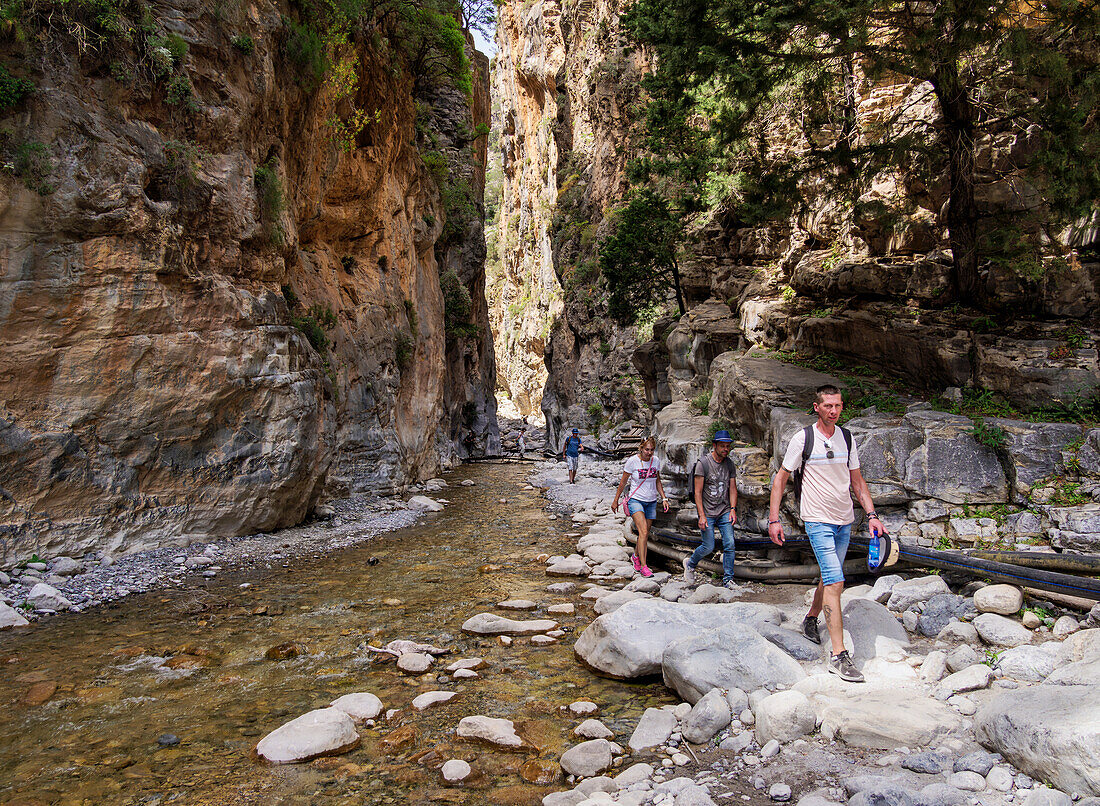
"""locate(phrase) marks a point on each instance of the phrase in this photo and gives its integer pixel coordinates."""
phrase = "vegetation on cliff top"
(755, 103)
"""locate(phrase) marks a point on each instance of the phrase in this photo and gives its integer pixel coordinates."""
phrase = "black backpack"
(808, 448)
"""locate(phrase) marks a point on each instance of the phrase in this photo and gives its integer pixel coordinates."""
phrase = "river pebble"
(455, 770)
(466, 663)
(517, 604)
(593, 729)
(326, 731)
(583, 708)
(414, 662)
(499, 732)
(360, 706)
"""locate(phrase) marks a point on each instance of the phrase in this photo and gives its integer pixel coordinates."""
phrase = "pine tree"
(990, 66)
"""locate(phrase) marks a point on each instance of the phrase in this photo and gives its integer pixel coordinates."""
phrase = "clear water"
(192, 663)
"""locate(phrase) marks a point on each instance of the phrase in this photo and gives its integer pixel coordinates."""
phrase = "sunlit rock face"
(871, 288)
(566, 87)
(157, 384)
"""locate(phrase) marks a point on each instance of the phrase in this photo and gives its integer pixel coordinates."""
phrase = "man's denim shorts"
(648, 507)
(830, 544)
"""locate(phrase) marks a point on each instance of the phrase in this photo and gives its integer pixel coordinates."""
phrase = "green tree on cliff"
(639, 260)
(480, 16)
(989, 66)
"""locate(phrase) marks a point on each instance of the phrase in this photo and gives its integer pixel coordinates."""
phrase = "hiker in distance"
(571, 452)
(829, 472)
(643, 473)
(716, 502)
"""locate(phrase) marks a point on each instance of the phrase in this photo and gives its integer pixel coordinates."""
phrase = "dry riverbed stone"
(47, 597)
(1002, 599)
(1052, 733)
(324, 732)
(10, 617)
(631, 641)
(653, 729)
(1001, 631)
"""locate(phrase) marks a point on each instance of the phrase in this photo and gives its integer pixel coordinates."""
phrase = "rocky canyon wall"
(568, 90)
(225, 283)
(864, 288)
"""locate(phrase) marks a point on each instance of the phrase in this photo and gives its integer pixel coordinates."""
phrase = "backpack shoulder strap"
(808, 443)
(847, 441)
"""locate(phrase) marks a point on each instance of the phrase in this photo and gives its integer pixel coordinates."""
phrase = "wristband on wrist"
(872, 514)
(771, 522)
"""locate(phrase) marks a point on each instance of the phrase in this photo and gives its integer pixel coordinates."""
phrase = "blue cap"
(723, 436)
(575, 431)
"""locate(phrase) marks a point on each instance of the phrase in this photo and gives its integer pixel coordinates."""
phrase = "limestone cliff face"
(567, 87)
(157, 384)
(866, 288)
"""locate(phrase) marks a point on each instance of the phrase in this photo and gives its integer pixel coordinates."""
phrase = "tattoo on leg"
(828, 612)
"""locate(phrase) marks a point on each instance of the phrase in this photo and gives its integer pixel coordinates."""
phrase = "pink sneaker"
(636, 562)
(646, 572)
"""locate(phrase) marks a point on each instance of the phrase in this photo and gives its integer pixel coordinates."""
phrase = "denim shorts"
(830, 544)
(571, 462)
(648, 507)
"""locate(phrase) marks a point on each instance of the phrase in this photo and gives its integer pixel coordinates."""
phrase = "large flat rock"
(493, 624)
(882, 718)
(489, 730)
(875, 631)
(1052, 733)
(10, 617)
(653, 729)
(324, 732)
(631, 641)
(732, 656)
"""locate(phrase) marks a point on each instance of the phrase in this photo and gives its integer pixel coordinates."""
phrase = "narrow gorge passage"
(93, 692)
(271, 268)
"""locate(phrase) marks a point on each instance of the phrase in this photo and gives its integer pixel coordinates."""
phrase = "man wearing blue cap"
(716, 502)
(571, 452)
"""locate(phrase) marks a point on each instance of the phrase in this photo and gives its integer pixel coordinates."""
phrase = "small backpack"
(808, 449)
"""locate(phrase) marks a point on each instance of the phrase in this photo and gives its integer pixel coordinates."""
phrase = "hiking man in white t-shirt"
(830, 473)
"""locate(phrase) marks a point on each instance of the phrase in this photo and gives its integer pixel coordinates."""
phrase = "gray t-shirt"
(716, 484)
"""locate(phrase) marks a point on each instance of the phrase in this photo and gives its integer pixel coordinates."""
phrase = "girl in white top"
(643, 473)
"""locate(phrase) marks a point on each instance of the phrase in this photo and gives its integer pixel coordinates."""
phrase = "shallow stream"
(87, 696)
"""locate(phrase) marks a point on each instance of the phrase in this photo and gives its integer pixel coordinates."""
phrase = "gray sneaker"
(689, 572)
(729, 584)
(809, 629)
(842, 665)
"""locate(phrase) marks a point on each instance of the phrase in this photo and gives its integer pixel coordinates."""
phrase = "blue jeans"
(706, 547)
(830, 544)
(648, 507)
